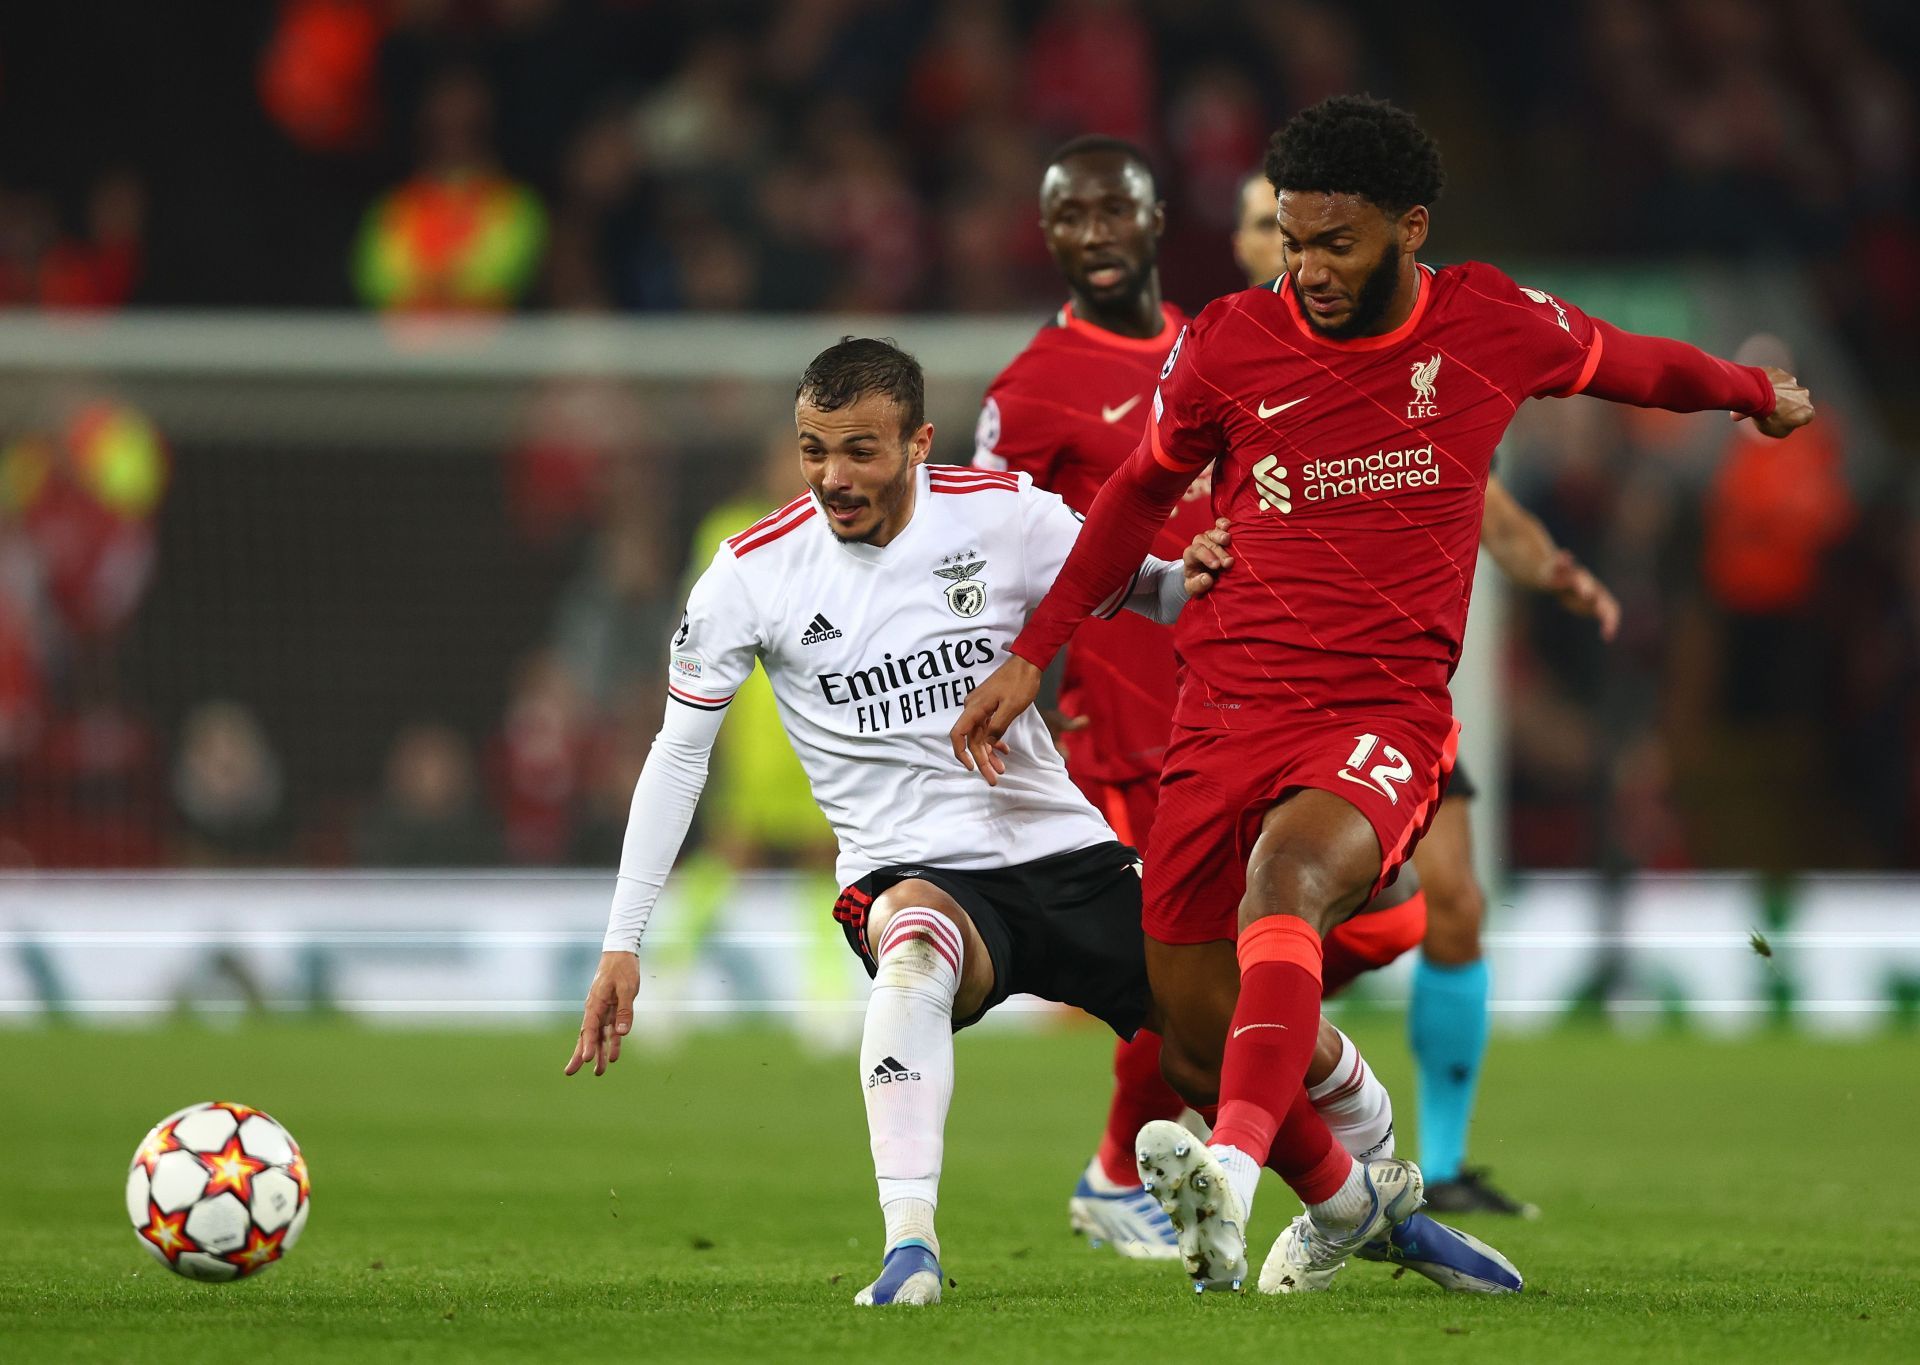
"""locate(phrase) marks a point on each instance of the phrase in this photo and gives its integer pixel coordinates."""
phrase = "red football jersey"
(1354, 473)
(1069, 410)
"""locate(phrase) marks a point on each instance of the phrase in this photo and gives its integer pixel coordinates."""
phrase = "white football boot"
(1124, 1217)
(1192, 1189)
(1307, 1256)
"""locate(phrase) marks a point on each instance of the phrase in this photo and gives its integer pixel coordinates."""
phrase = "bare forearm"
(1518, 541)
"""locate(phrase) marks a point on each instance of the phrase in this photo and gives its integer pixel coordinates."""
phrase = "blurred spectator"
(84, 495)
(316, 76)
(873, 219)
(40, 264)
(613, 619)
(459, 235)
(87, 796)
(539, 761)
(968, 69)
(612, 768)
(429, 813)
(229, 793)
(605, 252)
(577, 432)
(1091, 68)
(25, 642)
(1773, 512)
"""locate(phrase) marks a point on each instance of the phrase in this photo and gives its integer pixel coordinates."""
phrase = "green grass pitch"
(1704, 1200)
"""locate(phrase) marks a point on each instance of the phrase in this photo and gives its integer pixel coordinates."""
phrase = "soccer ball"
(217, 1191)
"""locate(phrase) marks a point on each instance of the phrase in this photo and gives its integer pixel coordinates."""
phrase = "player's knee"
(1296, 882)
(915, 939)
(1194, 1079)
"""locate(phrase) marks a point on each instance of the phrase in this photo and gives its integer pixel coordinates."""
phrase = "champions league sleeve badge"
(966, 594)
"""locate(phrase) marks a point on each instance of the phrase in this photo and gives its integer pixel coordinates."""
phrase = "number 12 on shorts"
(1382, 777)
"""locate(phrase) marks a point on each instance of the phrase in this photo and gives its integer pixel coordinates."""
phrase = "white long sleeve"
(1159, 591)
(663, 803)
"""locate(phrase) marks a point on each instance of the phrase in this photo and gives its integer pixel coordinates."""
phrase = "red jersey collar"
(1156, 343)
(1378, 343)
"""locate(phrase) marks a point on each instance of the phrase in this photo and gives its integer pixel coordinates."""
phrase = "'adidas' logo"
(888, 1072)
(818, 629)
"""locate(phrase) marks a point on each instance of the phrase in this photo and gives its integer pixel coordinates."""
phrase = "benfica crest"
(966, 594)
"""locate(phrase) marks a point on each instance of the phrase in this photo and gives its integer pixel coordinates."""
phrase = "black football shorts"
(1064, 928)
(1459, 784)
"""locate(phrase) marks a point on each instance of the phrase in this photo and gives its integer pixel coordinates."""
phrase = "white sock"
(906, 1067)
(1355, 1105)
(1243, 1172)
(910, 1220)
(1096, 1176)
(1348, 1206)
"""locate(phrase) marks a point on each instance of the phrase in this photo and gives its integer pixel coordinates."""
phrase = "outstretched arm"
(1527, 554)
(1658, 372)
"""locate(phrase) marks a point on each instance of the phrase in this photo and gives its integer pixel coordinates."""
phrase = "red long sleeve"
(1121, 525)
(1655, 372)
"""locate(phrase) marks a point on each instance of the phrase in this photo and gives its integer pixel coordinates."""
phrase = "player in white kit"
(876, 602)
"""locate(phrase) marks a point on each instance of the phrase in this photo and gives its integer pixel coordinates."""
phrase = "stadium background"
(370, 368)
(371, 372)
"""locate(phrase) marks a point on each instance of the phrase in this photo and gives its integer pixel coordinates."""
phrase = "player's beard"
(887, 502)
(1375, 296)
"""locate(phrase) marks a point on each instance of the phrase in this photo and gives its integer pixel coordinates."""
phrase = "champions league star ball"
(217, 1191)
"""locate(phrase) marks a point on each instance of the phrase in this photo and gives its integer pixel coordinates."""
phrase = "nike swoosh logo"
(1115, 414)
(1266, 412)
(1245, 1027)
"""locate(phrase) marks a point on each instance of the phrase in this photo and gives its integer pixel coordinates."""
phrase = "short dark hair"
(1093, 144)
(1355, 144)
(854, 367)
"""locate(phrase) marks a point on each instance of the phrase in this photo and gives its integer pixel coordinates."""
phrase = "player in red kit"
(1069, 410)
(1349, 414)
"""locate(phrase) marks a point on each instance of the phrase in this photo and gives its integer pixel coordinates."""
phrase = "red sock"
(1305, 1154)
(1270, 1042)
(1140, 1095)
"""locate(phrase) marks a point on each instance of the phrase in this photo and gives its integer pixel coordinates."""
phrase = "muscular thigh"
(976, 969)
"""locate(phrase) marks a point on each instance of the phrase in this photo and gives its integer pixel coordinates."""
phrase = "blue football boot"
(910, 1274)
(1450, 1258)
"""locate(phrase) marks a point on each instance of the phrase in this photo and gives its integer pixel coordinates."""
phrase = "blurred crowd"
(883, 155)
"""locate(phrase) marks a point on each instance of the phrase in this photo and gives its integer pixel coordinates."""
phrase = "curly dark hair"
(854, 367)
(1355, 144)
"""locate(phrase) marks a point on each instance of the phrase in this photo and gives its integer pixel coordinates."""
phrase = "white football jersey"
(872, 651)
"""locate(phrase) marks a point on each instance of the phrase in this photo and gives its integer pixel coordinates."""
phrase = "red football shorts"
(1218, 785)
